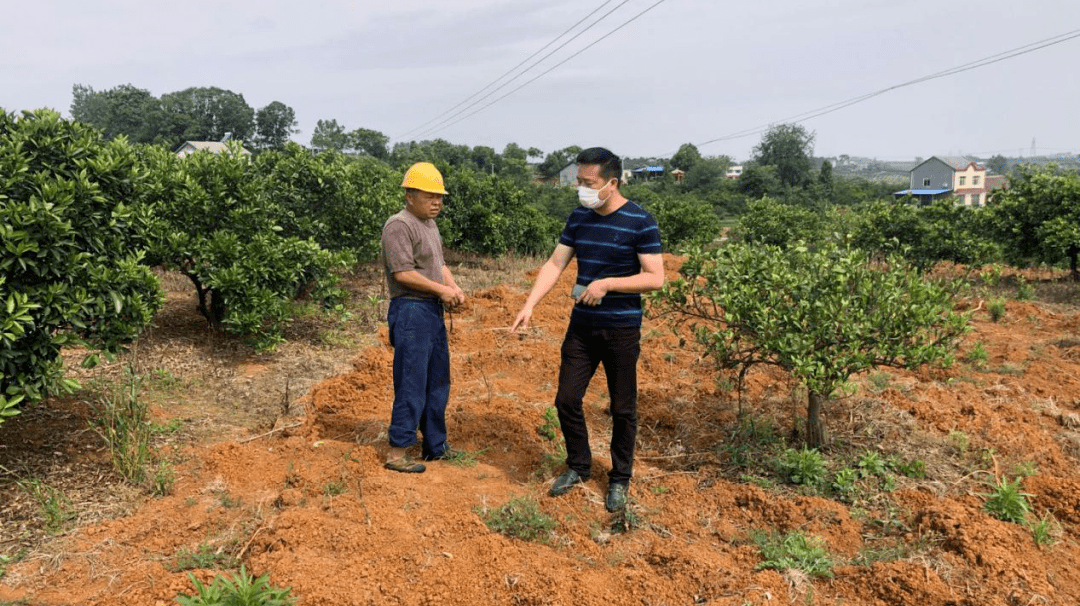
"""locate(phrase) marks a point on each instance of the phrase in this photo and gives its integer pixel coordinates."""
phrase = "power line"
(828, 109)
(524, 71)
(448, 123)
(511, 70)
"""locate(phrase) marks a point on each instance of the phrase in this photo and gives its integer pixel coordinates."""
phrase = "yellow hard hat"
(425, 177)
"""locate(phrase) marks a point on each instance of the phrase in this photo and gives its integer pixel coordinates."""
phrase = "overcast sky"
(686, 71)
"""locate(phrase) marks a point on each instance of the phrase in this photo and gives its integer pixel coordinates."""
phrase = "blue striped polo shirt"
(608, 246)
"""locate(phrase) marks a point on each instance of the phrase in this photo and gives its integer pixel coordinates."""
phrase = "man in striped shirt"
(617, 245)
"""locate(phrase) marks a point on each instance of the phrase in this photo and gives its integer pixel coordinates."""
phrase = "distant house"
(214, 147)
(994, 184)
(647, 173)
(568, 174)
(733, 172)
(942, 177)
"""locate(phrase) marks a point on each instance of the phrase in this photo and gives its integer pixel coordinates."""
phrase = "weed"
(552, 460)
(204, 556)
(749, 437)
(992, 275)
(996, 309)
(1026, 469)
(519, 518)
(1006, 502)
(1046, 531)
(53, 504)
(978, 357)
(871, 464)
(122, 420)
(335, 488)
(659, 490)
(880, 381)
(959, 441)
(627, 519)
(1024, 290)
(464, 458)
(164, 478)
(911, 469)
(795, 550)
(548, 430)
(173, 426)
(805, 466)
(241, 590)
(844, 483)
(226, 500)
(163, 378)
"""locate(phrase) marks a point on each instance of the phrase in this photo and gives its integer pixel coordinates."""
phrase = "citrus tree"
(216, 223)
(1038, 217)
(340, 202)
(822, 314)
(74, 233)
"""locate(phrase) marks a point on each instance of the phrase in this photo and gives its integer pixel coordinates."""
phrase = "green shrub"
(822, 314)
(684, 220)
(217, 224)
(996, 309)
(74, 230)
(492, 215)
(871, 464)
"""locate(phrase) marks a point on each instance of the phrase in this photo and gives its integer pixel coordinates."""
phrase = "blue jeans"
(421, 374)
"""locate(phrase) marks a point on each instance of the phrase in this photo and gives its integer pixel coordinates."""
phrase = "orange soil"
(386, 538)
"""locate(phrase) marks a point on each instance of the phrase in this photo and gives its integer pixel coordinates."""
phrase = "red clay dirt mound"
(318, 512)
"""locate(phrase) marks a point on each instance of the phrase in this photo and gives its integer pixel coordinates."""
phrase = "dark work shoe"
(565, 482)
(616, 497)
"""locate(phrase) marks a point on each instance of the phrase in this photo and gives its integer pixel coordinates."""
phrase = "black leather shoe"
(616, 497)
(565, 482)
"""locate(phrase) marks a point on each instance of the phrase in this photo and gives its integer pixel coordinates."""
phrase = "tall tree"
(789, 148)
(1038, 217)
(557, 160)
(208, 113)
(122, 110)
(998, 164)
(687, 156)
(369, 142)
(329, 135)
(274, 124)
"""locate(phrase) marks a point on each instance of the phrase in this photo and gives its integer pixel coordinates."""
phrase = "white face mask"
(589, 197)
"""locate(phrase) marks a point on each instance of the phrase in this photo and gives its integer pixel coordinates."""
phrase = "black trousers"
(583, 349)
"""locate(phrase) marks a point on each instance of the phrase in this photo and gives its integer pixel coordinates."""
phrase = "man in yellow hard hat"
(421, 287)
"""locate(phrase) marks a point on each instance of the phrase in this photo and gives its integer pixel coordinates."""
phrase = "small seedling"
(1026, 469)
(912, 469)
(164, 478)
(659, 490)
(1007, 502)
(880, 381)
(203, 556)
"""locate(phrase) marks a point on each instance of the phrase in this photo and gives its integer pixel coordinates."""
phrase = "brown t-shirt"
(409, 243)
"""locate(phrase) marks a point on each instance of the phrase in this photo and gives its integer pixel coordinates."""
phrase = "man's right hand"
(451, 298)
(521, 321)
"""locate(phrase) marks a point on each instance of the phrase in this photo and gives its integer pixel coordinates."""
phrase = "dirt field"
(281, 470)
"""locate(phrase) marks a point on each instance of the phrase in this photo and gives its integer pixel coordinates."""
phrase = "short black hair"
(610, 164)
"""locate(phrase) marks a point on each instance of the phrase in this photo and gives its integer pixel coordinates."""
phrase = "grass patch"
(519, 518)
(794, 551)
(464, 458)
(996, 309)
(1046, 530)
